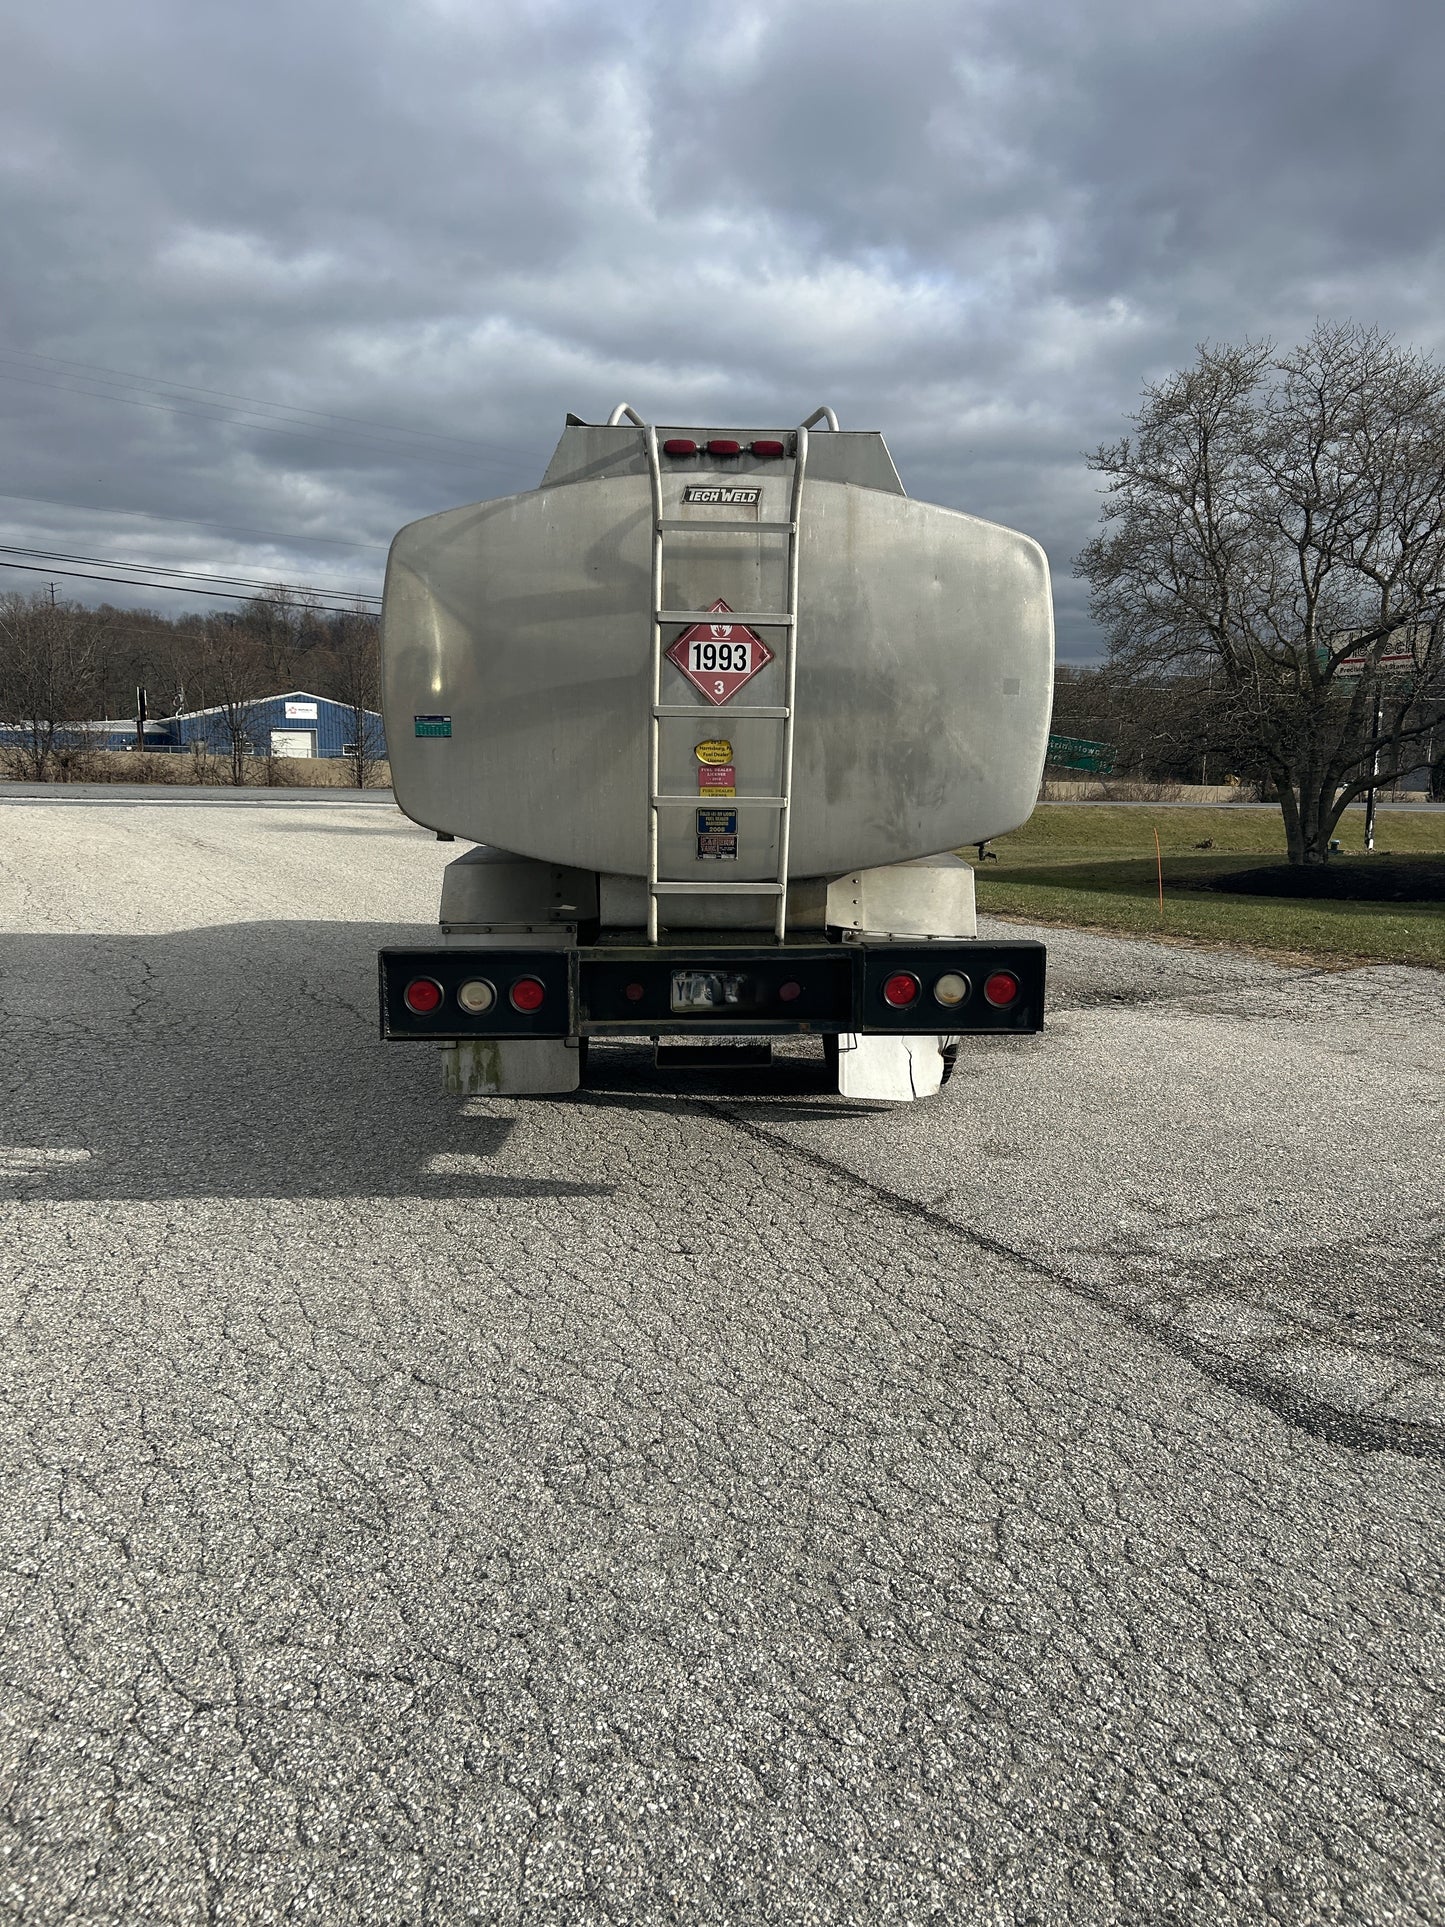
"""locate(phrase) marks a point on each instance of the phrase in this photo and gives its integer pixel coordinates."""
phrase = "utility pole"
(1374, 771)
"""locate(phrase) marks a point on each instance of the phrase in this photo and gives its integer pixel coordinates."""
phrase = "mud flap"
(892, 1069)
(511, 1067)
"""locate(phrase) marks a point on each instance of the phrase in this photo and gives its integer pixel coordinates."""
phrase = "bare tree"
(1277, 523)
(47, 680)
(235, 674)
(285, 624)
(353, 676)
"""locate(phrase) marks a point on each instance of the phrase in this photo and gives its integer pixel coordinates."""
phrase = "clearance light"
(527, 994)
(723, 447)
(679, 445)
(422, 996)
(769, 448)
(901, 990)
(1001, 989)
(789, 993)
(951, 988)
(476, 996)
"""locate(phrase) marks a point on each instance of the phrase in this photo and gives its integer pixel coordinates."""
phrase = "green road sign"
(1077, 752)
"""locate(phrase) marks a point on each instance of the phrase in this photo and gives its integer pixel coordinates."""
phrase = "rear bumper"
(819, 989)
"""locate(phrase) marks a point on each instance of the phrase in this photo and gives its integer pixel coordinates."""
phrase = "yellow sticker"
(716, 751)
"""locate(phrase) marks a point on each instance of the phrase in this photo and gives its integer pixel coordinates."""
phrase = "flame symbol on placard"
(721, 630)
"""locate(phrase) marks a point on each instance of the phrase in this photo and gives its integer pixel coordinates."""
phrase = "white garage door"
(293, 742)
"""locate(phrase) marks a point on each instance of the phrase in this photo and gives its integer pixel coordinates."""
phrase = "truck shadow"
(242, 1060)
(236, 1060)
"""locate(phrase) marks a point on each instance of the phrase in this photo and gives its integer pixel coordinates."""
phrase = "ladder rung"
(733, 618)
(747, 713)
(662, 887)
(670, 526)
(704, 801)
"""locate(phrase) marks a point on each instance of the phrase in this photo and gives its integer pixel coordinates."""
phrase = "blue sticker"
(717, 836)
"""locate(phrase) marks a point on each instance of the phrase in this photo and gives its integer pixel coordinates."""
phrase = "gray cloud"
(978, 228)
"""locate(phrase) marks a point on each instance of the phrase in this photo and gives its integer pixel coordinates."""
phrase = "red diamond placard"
(719, 657)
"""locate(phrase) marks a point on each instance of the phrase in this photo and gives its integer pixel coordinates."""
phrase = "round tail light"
(527, 994)
(476, 996)
(422, 995)
(901, 989)
(634, 993)
(1001, 989)
(952, 988)
(789, 993)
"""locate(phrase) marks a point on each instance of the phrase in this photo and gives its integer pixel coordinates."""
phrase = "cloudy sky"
(279, 278)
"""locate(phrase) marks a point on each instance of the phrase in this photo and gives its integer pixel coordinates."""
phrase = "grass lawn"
(1094, 866)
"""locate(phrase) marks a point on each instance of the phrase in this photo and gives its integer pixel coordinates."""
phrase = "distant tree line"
(62, 665)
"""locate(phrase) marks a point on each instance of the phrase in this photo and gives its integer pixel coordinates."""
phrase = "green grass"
(1094, 867)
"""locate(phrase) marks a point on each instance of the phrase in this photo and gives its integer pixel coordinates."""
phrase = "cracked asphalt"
(697, 1502)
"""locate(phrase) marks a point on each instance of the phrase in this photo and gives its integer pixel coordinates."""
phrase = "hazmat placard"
(719, 657)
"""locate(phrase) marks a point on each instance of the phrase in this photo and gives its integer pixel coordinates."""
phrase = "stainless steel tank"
(517, 637)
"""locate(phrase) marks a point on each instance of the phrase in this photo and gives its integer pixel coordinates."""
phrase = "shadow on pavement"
(243, 1060)
(239, 1060)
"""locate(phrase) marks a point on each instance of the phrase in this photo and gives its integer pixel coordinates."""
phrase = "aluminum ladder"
(786, 620)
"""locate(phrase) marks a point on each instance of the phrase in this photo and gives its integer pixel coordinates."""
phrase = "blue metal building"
(296, 723)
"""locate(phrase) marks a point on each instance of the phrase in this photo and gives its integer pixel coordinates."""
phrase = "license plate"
(708, 990)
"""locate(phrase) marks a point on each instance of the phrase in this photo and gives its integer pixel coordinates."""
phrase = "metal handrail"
(625, 408)
(654, 746)
(822, 415)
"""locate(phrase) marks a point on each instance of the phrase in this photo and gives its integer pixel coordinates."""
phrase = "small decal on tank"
(717, 779)
(433, 725)
(715, 750)
(717, 836)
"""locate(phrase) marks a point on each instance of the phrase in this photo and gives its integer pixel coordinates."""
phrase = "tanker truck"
(718, 708)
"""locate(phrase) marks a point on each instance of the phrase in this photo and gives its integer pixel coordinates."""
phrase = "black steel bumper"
(771, 990)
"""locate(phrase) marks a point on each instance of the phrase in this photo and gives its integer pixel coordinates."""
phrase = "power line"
(200, 575)
(175, 588)
(251, 401)
(192, 521)
(157, 575)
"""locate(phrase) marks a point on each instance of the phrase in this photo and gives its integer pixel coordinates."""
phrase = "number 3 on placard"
(719, 686)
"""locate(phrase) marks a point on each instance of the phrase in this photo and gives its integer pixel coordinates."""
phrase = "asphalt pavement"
(698, 1502)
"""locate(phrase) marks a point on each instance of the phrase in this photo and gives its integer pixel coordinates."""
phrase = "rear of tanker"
(716, 708)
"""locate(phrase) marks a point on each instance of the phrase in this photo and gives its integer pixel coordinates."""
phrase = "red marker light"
(527, 994)
(720, 447)
(634, 993)
(679, 445)
(769, 448)
(422, 996)
(901, 990)
(789, 993)
(1001, 989)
